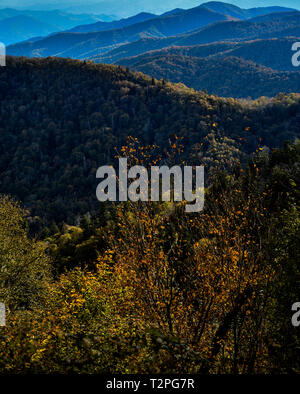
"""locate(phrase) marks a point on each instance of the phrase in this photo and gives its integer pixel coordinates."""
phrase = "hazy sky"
(121, 7)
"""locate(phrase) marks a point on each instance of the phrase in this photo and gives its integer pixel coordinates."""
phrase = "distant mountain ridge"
(240, 13)
(20, 25)
(244, 30)
(81, 45)
(102, 26)
(85, 45)
(62, 119)
(228, 10)
(283, 25)
(61, 19)
(126, 8)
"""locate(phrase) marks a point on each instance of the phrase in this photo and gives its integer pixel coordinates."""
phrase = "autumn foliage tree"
(24, 265)
(172, 291)
(198, 279)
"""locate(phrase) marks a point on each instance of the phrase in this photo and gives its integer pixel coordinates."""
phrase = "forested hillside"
(61, 119)
(226, 76)
(273, 53)
(147, 287)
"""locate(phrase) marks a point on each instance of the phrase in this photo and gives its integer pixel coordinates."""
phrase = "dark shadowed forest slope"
(198, 25)
(273, 53)
(61, 119)
(227, 76)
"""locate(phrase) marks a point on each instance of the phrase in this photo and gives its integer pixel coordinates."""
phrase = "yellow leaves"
(182, 274)
(37, 355)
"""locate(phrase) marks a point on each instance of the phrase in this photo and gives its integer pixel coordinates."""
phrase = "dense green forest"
(62, 119)
(145, 287)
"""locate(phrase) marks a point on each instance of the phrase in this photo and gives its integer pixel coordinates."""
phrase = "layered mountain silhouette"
(102, 26)
(282, 25)
(221, 8)
(216, 46)
(228, 76)
(20, 25)
(86, 44)
(243, 14)
(91, 43)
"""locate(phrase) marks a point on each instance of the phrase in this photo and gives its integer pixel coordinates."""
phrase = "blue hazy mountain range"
(221, 21)
(20, 25)
(216, 46)
(40, 20)
(125, 8)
